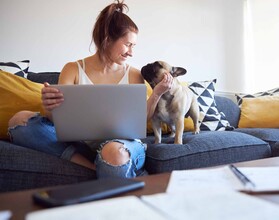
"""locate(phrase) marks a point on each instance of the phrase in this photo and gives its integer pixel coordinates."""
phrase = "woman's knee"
(21, 118)
(115, 153)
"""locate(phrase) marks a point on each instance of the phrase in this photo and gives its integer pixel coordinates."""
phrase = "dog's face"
(153, 73)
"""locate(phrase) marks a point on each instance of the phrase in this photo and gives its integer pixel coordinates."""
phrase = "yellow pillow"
(17, 94)
(260, 112)
(188, 123)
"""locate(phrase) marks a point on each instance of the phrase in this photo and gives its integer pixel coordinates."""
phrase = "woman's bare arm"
(52, 97)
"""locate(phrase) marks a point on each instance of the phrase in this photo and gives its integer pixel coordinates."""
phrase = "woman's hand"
(161, 88)
(164, 86)
(51, 97)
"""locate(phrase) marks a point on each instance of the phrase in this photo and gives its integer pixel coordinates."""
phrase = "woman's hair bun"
(120, 6)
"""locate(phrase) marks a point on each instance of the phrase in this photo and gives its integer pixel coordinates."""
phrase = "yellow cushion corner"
(260, 112)
(17, 94)
(148, 89)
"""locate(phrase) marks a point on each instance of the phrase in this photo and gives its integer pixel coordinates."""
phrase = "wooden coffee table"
(20, 202)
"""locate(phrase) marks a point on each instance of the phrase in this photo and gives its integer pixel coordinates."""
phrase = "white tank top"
(84, 79)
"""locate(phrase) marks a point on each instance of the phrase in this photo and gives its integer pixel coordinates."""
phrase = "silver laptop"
(101, 112)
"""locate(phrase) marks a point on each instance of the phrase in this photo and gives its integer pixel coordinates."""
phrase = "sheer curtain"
(261, 26)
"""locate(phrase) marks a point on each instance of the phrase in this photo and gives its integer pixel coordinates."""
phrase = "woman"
(115, 36)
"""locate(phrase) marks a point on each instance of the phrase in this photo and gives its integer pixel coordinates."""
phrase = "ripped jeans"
(39, 134)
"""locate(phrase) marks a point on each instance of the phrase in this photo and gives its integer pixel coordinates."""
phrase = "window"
(261, 25)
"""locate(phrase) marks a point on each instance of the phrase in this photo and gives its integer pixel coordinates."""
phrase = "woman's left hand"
(51, 97)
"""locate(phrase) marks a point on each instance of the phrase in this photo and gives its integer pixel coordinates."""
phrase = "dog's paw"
(197, 131)
(172, 134)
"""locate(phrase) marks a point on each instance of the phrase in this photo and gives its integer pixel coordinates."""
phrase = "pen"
(242, 178)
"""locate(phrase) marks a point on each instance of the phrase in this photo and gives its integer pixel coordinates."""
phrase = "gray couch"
(22, 168)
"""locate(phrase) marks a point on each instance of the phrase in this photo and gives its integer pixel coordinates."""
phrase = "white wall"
(204, 36)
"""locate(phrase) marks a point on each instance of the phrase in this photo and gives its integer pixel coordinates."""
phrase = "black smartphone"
(85, 191)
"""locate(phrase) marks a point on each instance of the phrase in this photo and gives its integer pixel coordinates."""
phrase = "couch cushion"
(22, 168)
(240, 96)
(210, 118)
(203, 150)
(254, 112)
(17, 94)
(270, 135)
(19, 68)
(275, 149)
(266, 134)
(230, 109)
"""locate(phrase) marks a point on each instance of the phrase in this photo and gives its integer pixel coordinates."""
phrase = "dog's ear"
(178, 71)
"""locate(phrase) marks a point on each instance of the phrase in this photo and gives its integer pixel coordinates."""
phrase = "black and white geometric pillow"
(241, 96)
(210, 118)
(19, 68)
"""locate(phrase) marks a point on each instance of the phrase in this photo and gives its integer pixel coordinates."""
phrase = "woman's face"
(122, 48)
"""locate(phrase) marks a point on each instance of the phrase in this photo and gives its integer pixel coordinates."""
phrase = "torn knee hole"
(20, 118)
(115, 153)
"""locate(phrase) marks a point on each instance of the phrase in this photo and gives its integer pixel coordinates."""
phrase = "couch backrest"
(229, 108)
(41, 77)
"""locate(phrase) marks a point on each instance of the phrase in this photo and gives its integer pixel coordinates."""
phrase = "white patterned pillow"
(19, 68)
(241, 96)
(210, 118)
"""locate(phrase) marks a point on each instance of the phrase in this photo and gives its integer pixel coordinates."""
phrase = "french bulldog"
(173, 105)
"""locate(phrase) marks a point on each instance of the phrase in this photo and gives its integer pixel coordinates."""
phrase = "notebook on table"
(101, 112)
